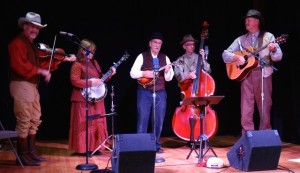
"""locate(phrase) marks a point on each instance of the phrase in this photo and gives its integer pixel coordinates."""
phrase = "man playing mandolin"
(146, 65)
(251, 84)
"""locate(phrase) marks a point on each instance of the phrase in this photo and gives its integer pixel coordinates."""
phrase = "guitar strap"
(260, 39)
(260, 44)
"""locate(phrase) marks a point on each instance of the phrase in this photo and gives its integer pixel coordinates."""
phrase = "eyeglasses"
(88, 52)
(157, 42)
(190, 44)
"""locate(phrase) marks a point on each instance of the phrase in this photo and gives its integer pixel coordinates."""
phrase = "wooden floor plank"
(62, 160)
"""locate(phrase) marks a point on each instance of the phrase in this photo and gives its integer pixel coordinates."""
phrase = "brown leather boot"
(22, 149)
(32, 149)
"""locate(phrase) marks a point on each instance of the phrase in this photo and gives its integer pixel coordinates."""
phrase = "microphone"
(66, 34)
(206, 52)
(155, 65)
(241, 49)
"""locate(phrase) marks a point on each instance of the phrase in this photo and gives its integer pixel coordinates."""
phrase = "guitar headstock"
(281, 39)
(204, 33)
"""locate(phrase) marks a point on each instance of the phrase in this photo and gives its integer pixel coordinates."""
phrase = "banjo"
(98, 93)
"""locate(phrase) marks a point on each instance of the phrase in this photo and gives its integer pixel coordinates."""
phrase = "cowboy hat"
(31, 17)
(187, 38)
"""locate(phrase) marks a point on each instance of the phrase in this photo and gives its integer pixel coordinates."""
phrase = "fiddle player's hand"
(148, 74)
(45, 73)
(272, 47)
(70, 58)
(95, 81)
(239, 60)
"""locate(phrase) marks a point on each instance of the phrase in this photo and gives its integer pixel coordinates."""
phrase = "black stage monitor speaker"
(134, 153)
(256, 150)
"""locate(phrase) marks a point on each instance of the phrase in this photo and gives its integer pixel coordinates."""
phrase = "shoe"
(81, 154)
(192, 144)
(98, 153)
(159, 150)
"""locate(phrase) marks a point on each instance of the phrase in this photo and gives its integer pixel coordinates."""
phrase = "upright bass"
(186, 118)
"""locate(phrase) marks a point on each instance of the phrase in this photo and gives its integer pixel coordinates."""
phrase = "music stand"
(201, 103)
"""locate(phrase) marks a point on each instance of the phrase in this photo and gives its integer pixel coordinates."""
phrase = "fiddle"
(45, 52)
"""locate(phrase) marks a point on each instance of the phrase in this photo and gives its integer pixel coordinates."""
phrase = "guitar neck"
(278, 40)
(109, 72)
(260, 49)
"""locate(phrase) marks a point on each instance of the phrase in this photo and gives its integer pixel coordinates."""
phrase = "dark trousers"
(145, 112)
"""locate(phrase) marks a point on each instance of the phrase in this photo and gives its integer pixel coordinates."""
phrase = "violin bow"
(52, 54)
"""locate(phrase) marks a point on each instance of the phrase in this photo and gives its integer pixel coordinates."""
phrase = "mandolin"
(144, 81)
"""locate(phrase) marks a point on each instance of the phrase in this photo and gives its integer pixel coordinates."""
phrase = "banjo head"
(94, 93)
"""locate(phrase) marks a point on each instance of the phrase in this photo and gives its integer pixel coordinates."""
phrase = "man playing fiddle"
(26, 68)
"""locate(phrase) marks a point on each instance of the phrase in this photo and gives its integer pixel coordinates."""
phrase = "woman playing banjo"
(97, 127)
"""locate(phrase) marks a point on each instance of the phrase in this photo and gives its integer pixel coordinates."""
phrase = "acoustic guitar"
(235, 72)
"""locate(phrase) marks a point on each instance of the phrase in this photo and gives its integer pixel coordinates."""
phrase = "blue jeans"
(145, 109)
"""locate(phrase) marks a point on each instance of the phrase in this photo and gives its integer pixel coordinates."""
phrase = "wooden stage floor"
(61, 160)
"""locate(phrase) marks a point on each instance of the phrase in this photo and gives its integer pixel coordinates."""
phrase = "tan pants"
(27, 107)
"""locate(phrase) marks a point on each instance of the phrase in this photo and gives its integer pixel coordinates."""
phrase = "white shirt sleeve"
(169, 76)
(136, 71)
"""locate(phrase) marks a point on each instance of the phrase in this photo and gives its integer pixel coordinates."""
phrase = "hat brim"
(184, 41)
(23, 20)
(254, 16)
(157, 37)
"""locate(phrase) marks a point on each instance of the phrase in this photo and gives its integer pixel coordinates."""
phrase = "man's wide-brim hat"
(156, 35)
(187, 38)
(31, 17)
(253, 13)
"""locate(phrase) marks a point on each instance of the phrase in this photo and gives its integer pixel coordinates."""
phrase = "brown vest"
(148, 64)
(32, 56)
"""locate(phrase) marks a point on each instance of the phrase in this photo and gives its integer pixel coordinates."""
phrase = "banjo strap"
(99, 72)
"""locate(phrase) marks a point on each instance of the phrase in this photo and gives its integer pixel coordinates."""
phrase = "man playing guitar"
(258, 82)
